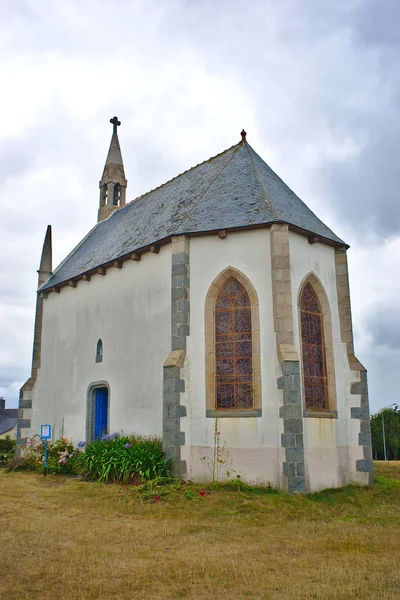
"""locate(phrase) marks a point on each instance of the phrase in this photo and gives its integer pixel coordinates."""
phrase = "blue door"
(100, 412)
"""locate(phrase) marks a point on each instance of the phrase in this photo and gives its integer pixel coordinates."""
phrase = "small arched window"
(313, 350)
(233, 348)
(99, 351)
(117, 194)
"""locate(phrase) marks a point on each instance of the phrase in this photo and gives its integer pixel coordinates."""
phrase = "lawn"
(63, 538)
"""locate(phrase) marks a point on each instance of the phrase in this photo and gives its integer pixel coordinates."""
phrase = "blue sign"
(45, 432)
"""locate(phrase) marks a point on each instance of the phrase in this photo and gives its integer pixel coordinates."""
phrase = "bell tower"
(113, 182)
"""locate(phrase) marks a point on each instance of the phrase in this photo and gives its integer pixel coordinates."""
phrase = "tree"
(392, 434)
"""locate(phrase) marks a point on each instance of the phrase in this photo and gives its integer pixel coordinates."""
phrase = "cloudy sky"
(315, 83)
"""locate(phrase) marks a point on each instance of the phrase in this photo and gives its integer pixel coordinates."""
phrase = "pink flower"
(202, 493)
(156, 498)
(219, 433)
(127, 489)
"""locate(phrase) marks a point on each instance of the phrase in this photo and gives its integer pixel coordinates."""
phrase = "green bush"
(7, 450)
(62, 457)
(124, 458)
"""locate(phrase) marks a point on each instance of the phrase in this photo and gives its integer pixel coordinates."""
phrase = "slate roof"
(8, 419)
(233, 189)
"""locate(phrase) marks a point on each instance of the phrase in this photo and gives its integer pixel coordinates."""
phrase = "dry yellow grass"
(66, 539)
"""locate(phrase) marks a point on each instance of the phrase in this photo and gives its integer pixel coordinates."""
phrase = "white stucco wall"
(252, 443)
(331, 445)
(129, 309)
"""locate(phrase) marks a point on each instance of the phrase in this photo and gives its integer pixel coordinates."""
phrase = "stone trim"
(327, 338)
(210, 362)
(233, 414)
(315, 414)
(173, 384)
(360, 387)
(289, 382)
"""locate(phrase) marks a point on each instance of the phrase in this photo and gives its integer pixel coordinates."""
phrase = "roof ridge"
(211, 184)
(261, 183)
(180, 174)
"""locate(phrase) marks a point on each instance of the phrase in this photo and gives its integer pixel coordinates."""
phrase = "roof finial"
(115, 124)
(243, 134)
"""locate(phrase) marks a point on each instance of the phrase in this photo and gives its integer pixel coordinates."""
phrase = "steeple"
(113, 182)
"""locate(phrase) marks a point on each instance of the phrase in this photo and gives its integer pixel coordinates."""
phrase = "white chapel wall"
(252, 443)
(331, 445)
(129, 309)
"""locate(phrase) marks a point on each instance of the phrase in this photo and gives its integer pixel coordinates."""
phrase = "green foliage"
(392, 434)
(124, 458)
(62, 457)
(7, 450)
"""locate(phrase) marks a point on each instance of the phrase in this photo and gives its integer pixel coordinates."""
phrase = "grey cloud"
(377, 22)
(383, 323)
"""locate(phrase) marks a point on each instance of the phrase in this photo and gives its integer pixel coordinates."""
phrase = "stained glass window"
(314, 366)
(233, 346)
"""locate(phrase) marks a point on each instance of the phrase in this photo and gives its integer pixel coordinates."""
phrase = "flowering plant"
(125, 458)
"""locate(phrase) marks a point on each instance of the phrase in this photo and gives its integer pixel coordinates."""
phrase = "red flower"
(219, 433)
(202, 493)
(127, 489)
(136, 484)
(156, 498)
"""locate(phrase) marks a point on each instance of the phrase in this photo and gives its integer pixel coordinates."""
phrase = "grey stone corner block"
(180, 269)
(171, 371)
(25, 403)
(179, 467)
(288, 440)
(359, 387)
(294, 455)
(296, 484)
(173, 385)
(364, 466)
(290, 367)
(359, 412)
(180, 258)
(290, 411)
(364, 439)
(21, 441)
(178, 342)
(293, 425)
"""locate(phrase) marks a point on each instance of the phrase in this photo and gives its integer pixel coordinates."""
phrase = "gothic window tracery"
(233, 348)
(313, 350)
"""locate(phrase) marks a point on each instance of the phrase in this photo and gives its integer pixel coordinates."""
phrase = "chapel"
(213, 310)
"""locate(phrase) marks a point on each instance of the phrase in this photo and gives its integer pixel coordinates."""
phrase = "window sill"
(232, 414)
(315, 414)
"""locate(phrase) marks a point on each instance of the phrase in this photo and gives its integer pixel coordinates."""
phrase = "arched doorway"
(98, 408)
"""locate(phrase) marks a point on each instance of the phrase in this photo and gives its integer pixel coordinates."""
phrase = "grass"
(67, 539)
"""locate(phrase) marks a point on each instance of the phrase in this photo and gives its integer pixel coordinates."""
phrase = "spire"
(113, 182)
(46, 260)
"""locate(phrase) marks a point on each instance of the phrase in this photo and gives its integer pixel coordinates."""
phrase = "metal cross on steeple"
(115, 124)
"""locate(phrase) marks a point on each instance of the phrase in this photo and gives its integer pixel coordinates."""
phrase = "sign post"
(45, 434)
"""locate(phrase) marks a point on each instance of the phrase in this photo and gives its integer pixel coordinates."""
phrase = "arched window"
(117, 194)
(233, 348)
(313, 350)
(99, 351)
